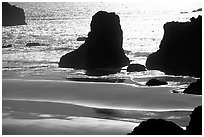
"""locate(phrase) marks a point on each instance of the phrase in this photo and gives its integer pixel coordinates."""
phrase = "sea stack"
(194, 88)
(102, 50)
(157, 127)
(12, 15)
(163, 127)
(180, 51)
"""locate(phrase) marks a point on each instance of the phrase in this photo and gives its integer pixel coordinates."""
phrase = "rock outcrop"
(7, 46)
(103, 47)
(156, 82)
(136, 67)
(32, 44)
(200, 9)
(194, 88)
(180, 51)
(81, 38)
(163, 127)
(157, 127)
(195, 124)
(12, 15)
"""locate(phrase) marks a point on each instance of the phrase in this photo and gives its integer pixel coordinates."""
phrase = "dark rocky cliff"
(180, 51)
(12, 15)
(102, 49)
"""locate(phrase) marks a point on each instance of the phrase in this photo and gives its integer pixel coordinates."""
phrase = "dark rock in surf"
(200, 9)
(7, 46)
(157, 127)
(109, 80)
(183, 12)
(156, 82)
(180, 51)
(136, 67)
(12, 15)
(32, 44)
(81, 38)
(102, 49)
(194, 88)
(101, 71)
(163, 127)
(195, 124)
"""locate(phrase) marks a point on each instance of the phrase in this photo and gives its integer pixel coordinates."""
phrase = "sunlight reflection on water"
(56, 26)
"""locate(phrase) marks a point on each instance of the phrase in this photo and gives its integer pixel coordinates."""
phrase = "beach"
(40, 98)
(96, 94)
(67, 107)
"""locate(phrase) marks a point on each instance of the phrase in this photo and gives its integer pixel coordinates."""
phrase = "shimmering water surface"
(56, 26)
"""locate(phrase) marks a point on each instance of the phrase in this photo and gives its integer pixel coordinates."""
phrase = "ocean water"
(57, 25)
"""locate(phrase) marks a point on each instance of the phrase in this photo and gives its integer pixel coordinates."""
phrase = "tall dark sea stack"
(102, 50)
(180, 51)
(12, 15)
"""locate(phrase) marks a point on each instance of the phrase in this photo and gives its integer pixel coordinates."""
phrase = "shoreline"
(90, 93)
(74, 126)
(19, 116)
(36, 106)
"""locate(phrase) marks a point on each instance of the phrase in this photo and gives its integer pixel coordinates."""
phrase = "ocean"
(57, 25)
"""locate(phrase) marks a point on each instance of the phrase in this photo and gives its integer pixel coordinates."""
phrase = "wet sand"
(67, 107)
(100, 95)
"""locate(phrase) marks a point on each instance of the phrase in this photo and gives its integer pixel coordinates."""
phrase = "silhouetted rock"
(163, 127)
(195, 124)
(156, 82)
(180, 51)
(194, 88)
(157, 127)
(136, 67)
(7, 46)
(200, 9)
(11, 15)
(102, 71)
(32, 44)
(102, 48)
(109, 80)
(183, 12)
(81, 38)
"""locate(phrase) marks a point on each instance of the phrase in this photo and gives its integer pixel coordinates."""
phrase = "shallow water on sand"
(33, 117)
(96, 104)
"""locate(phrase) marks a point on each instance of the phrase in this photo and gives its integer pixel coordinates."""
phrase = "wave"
(55, 18)
(99, 94)
(22, 61)
(34, 109)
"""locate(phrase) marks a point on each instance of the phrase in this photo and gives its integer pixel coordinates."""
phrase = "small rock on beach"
(136, 67)
(32, 44)
(156, 82)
